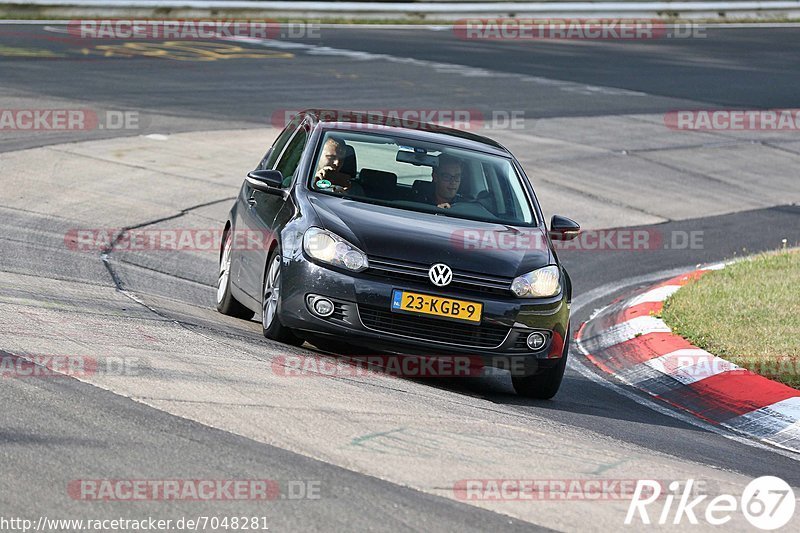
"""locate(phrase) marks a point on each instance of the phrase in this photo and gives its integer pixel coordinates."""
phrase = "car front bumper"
(363, 317)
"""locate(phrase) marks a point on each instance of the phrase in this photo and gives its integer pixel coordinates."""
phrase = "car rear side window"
(268, 162)
(287, 165)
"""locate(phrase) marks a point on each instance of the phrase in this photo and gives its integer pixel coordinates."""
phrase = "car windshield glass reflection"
(421, 176)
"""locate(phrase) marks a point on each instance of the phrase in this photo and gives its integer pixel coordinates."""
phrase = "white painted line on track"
(441, 67)
(778, 423)
(662, 408)
(581, 367)
(659, 294)
(789, 407)
(630, 329)
(582, 300)
(703, 365)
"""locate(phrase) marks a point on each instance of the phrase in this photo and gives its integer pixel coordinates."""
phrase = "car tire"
(545, 384)
(270, 302)
(226, 303)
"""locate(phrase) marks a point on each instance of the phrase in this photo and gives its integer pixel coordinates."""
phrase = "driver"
(446, 181)
(329, 174)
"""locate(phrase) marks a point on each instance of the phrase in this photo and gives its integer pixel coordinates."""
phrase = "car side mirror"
(268, 181)
(563, 228)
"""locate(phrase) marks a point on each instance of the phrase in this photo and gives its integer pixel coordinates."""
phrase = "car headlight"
(540, 283)
(329, 248)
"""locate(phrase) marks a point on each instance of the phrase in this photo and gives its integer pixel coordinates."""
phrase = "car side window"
(268, 161)
(288, 163)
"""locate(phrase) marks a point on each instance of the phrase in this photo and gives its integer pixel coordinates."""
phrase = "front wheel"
(226, 303)
(545, 384)
(270, 301)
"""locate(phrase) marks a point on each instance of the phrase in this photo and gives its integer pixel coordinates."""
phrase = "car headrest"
(378, 183)
(349, 162)
(422, 188)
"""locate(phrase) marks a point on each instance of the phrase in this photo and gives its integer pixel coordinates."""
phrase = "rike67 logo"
(767, 502)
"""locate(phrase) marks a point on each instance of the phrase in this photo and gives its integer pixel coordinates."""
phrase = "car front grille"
(432, 329)
(341, 312)
(416, 272)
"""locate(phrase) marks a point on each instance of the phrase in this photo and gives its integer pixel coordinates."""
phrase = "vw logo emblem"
(440, 274)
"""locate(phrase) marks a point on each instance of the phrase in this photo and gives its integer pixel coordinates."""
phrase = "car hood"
(404, 235)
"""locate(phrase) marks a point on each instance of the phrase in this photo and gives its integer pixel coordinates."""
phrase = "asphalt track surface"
(58, 430)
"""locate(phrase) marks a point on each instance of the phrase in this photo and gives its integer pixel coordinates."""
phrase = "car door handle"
(252, 201)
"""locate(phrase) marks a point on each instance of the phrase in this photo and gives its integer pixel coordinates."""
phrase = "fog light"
(320, 306)
(536, 341)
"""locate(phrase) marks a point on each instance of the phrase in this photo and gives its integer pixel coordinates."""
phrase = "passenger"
(329, 174)
(446, 182)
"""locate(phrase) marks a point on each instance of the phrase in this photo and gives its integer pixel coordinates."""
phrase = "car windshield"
(420, 176)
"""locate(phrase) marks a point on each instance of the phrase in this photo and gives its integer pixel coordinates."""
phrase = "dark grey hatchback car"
(399, 237)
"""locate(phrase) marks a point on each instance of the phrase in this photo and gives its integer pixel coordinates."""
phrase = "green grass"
(747, 313)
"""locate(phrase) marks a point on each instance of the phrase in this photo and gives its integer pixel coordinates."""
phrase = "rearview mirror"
(420, 159)
(265, 180)
(563, 228)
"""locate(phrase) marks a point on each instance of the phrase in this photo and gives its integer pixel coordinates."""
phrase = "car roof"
(394, 125)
